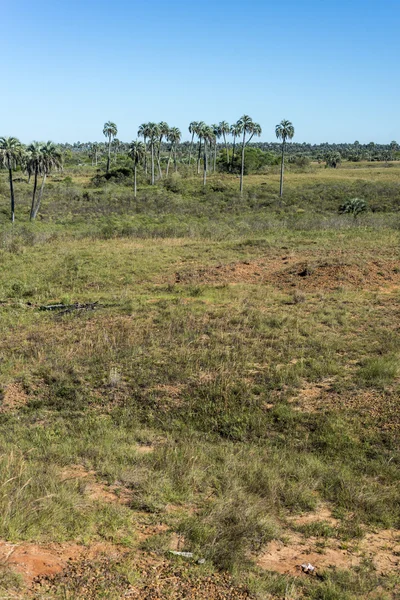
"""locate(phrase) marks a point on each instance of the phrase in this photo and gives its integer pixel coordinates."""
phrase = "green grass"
(262, 399)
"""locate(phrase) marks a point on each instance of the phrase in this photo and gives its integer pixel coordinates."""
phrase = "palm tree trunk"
(175, 165)
(95, 157)
(282, 169)
(199, 157)
(109, 153)
(40, 196)
(215, 156)
(145, 154)
(158, 157)
(134, 181)
(152, 162)
(11, 193)
(226, 148)
(242, 167)
(169, 159)
(205, 164)
(34, 195)
(233, 151)
(190, 150)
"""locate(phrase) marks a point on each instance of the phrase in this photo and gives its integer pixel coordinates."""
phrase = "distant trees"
(235, 132)
(224, 130)
(174, 137)
(333, 159)
(136, 153)
(246, 125)
(153, 131)
(10, 156)
(143, 132)
(193, 126)
(283, 131)
(50, 158)
(109, 131)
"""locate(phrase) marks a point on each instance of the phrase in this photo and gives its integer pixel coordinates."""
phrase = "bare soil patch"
(289, 272)
(381, 547)
(13, 397)
(37, 560)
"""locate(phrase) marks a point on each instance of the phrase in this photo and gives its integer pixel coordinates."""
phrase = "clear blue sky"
(332, 68)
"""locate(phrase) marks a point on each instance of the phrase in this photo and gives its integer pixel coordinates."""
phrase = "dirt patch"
(13, 397)
(381, 406)
(330, 275)
(38, 560)
(287, 272)
(382, 548)
(96, 490)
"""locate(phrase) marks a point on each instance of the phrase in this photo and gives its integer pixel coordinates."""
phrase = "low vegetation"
(221, 366)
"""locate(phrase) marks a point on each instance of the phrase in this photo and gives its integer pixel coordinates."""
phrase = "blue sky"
(329, 67)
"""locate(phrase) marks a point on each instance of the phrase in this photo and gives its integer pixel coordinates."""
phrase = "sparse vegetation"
(238, 370)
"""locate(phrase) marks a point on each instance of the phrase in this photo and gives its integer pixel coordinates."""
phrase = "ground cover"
(236, 397)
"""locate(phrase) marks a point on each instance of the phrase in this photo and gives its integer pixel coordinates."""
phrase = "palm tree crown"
(283, 131)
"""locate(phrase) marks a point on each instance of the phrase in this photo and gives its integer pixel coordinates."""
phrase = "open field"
(233, 393)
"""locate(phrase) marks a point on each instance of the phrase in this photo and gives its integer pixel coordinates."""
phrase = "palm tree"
(143, 132)
(225, 129)
(217, 135)
(246, 125)
(109, 130)
(153, 132)
(284, 131)
(94, 150)
(51, 159)
(207, 134)
(164, 129)
(136, 152)
(235, 131)
(193, 130)
(10, 156)
(174, 137)
(34, 165)
(199, 128)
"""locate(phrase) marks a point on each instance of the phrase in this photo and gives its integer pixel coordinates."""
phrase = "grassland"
(234, 392)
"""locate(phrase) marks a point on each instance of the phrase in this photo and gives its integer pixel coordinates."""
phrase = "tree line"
(208, 145)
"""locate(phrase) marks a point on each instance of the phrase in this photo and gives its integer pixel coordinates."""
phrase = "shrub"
(354, 206)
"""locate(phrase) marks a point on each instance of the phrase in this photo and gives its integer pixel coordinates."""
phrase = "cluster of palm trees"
(245, 126)
(153, 135)
(38, 160)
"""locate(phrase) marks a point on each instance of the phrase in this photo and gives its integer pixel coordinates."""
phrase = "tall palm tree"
(208, 136)
(246, 125)
(51, 159)
(164, 129)
(109, 130)
(217, 134)
(153, 132)
(225, 129)
(199, 129)
(283, 131)
(235, 131)
(193, 126)
(143, 132)
(136, 152)
(10, 156)
(174, 137)
(34, 166)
